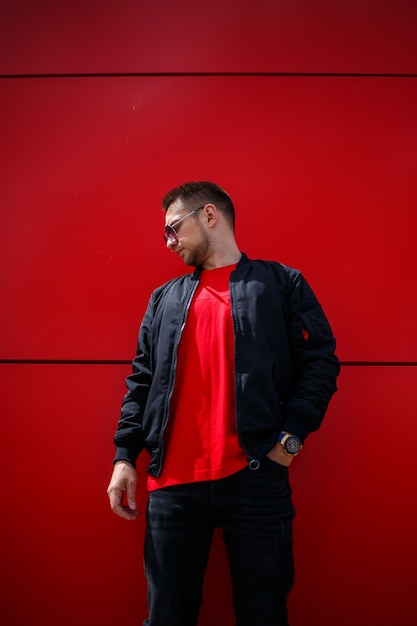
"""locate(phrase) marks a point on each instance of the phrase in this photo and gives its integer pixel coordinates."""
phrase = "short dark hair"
(203, 192)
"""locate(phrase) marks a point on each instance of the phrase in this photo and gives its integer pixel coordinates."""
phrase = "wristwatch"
(291, 443)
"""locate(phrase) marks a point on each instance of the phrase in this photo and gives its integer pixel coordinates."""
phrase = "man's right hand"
(123, 481)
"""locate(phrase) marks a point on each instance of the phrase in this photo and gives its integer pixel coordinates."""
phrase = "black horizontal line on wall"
(128, 362)
(209, 74)
(64, 362)
(379, 363)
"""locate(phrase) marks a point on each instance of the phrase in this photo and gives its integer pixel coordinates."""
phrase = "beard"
(199, 254)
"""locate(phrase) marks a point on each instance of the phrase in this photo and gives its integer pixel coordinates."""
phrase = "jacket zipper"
(172, 379)
(253, 463)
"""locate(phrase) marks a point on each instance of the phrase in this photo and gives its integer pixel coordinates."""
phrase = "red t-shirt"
(201, 441)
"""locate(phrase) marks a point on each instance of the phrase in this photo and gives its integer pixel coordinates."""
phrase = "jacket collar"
(196, 274)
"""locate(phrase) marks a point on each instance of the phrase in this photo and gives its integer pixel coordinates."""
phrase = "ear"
(211, 214)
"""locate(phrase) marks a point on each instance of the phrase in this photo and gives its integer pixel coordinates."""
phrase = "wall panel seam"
(128, 362)
(208, 74)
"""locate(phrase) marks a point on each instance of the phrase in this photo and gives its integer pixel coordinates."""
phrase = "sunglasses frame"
(170, 234)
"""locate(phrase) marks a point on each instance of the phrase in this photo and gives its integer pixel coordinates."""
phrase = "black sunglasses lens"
(170, 234)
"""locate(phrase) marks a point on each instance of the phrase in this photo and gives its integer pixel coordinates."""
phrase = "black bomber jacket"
(285, 362)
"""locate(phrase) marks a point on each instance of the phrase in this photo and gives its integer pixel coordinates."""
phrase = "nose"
(171, 244)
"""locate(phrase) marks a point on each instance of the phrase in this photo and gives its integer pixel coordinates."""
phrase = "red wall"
(305, 113)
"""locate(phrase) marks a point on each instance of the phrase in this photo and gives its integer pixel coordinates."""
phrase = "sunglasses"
(170, 234)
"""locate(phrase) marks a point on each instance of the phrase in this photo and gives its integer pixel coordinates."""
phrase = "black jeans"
(255, 512)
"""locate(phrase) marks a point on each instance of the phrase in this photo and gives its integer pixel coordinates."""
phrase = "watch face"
(292, 445)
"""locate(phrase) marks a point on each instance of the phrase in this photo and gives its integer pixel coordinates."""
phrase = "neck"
(223, 258)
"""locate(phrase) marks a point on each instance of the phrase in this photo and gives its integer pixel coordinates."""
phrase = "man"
(235, 367)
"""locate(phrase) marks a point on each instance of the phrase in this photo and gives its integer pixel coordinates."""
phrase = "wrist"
(123, 462)
(291, 444)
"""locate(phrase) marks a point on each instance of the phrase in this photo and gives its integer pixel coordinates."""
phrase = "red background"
(306, 113)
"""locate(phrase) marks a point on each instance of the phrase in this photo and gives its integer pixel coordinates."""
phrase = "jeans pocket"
(267, 462)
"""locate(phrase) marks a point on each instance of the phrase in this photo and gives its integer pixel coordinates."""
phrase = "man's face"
(193, 241)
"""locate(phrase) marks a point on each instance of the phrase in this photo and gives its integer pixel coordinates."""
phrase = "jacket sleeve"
(315, 364)
(129, 437)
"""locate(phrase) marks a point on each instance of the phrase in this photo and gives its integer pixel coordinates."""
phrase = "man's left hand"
(278, 455)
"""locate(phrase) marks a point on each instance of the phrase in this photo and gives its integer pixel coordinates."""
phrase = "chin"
(188, 259)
